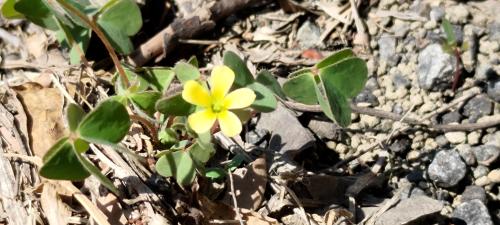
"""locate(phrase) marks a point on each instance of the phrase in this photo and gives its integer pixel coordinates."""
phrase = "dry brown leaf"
(249, 185)
(44, 107)
(55, 210)
(219, 211)
(36, 44)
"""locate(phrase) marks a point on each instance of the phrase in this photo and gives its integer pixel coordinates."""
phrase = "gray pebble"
(477, 107)
(308, 35)
(486, 154)
(447, 168)
(474, 192)
(387, 49)
(472, 212)
(480, 171)
(494, 89)
(467, 155)
(435, 68)
(451, 117)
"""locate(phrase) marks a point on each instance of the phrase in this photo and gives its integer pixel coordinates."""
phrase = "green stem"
(101, 36)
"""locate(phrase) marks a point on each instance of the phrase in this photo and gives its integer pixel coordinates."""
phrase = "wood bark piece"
(201, 21)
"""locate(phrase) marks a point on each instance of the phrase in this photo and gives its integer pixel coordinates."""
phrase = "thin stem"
(458, 70)
(101, 36)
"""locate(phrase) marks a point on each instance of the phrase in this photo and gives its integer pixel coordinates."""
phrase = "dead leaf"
(220, 211)
(249, 185)
(44, 107)
(55, 210)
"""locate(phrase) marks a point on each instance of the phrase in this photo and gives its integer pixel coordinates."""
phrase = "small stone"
(482, 181)
(447, 169)
(474, 192)
(435, 67)
(480, 171)
(409, 210)
(494, 176)
(341, 148)
(474, 137)
(400, 28)
(466, 153)
(400, 81)
(436, 13)
(484, 72)
(387, 49)
(458, 13)
(477, 107)
(331, 145)
(369, 121)
(324, 129)
(472, 212)
(413, 155)
(488, 47)
(494, 31)
(451, 117)
(456, 137)
(442, 141)
(429, 25)
(257, 137)
(494, 89)
(486, 154)
(400, 145)
(366, 96)
(308, 35)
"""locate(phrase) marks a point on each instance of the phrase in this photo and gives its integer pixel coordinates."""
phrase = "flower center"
(217, 107)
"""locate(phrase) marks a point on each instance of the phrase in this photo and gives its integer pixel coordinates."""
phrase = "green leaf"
(81, 146)
(301, 88)
(174, 106)
(137, 83)
(167, 164)
(300, 72)
(159, 77)
(333, 102)
(243, 77)
(120, 20)
(186, 170)
(8, 10)
(334, 58)
(74, 115)
(107, 123)
(168, 137)
(37, 12)
(96, 172)
(449, 32)
(201, 153)
(193, 61)
(215, 173)
(74, 37)
(178, 164)
(265, 100)
(186, 71)
(267, 79)
(236, 161)
(145, 101)
(347, 76)
(61, 163)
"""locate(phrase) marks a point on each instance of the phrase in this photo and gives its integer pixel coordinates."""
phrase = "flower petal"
(196, 94)
(202, 121)
(239, 98)
(221, 80)
(229, 123)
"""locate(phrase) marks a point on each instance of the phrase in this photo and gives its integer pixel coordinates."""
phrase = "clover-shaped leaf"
(186, 71)
(267, 79)
(264, 100)
(347, 76)
(301, 88)
(243, 76)
(61, 163)
(145, 101)
(178, 164)
(334, 58)
(107, 123)
(74, 115)
(174, 106)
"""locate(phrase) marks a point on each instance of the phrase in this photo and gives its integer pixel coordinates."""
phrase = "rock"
(472, 212)
(466, 153)
(494, 89)
(288, 136)
(324, 129)
(482, 181)
(400, 145)
(447, 169)
(400, 28)
(415, 176)
(442, 141)
(400, 81)
(257, 137)
(480, 171)
(494, 31)
(484, 72)
(456, 137)
(486, 154)
(387, 49)
(474, 137)
(436, 13)
(488, 47)
(494, 176)
(308, 35)
(451, 117)
(413, 155)
(369, 121)
(477, 107)
(458, 13)
(366, 97)
(435, 68)
(410, 210)
(474, 192)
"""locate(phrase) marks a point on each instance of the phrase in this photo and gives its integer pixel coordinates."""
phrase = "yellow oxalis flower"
(216, 102)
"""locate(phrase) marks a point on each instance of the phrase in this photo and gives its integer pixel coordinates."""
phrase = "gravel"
(472, 212)
(387, 49)
(474, 192)
(486, 154)
(477, 107)
(308, 35)
(494, 89)
(447, 169)
(435, 68)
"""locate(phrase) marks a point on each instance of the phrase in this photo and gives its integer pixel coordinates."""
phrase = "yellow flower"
(216, 103)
